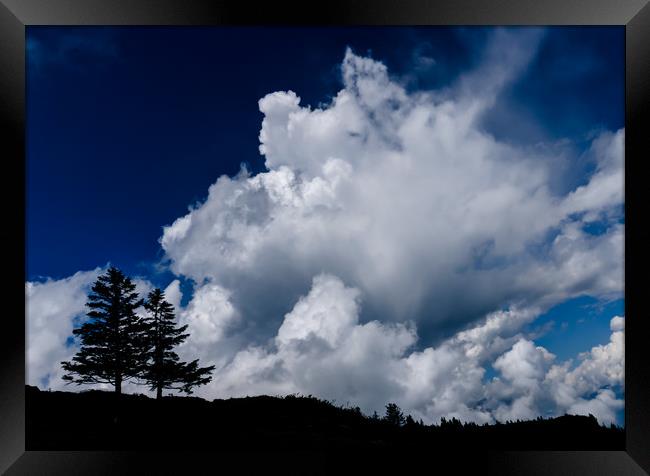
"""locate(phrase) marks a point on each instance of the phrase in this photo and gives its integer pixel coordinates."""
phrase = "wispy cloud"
(78, 50)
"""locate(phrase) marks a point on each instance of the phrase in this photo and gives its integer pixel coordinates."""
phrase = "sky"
(431, 216)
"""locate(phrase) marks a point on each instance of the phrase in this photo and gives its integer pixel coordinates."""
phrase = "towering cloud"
(405, 197)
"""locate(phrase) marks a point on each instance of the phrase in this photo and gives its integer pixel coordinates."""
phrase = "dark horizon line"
(347, 406)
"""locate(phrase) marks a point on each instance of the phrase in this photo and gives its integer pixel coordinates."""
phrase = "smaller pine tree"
(410, 422)
(165, 370)
(394, 415)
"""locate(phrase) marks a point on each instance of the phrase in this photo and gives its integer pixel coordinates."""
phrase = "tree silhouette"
(164, 369)
(394, 415)
(113, 349)
(410, 422)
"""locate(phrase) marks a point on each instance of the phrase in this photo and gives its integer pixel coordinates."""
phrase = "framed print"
(277, 238)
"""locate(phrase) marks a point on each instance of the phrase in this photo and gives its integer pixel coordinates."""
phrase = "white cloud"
(523, 365)
(429, 221)
(321, 348)
(51, 307)
(404, 197)
(173, 293)
(603, 406)
(209, 314)
(617, 323)
(327, 313)
(530, 383)
(603, 365)
(606, 187)
(142, 286)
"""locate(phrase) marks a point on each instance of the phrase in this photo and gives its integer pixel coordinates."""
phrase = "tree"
(164, 369)
(394, 415)
(410, 422)
(113, 349)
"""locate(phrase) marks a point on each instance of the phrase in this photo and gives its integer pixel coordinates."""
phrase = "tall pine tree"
(164, 369)
(113, 345)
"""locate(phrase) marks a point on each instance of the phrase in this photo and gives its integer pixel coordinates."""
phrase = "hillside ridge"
(96, 420)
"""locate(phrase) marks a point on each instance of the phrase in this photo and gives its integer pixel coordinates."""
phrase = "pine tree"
(409, 422)
(165, 370)
(113, 349)
(394, 415)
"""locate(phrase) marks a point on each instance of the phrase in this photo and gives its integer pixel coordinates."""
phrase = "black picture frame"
(15, 15)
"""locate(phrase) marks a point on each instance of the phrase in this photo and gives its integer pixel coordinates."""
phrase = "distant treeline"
(96, 420)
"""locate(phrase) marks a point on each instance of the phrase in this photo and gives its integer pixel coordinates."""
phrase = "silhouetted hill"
(95, 420)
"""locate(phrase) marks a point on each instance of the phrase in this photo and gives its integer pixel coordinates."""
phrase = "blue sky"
(145, 99)
(128, 127)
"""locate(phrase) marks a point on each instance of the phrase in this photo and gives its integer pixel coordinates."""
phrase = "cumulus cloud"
(404, 197)
(173, 293)
(51, 308)
(209, 313)
(326, 313)
(531, 384)
(402, 201)
(322, 348)
(617, 323)
(603, 406)
(602, 366)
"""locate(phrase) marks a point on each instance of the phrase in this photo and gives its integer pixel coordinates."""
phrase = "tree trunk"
(118, 384)
(159, 393)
